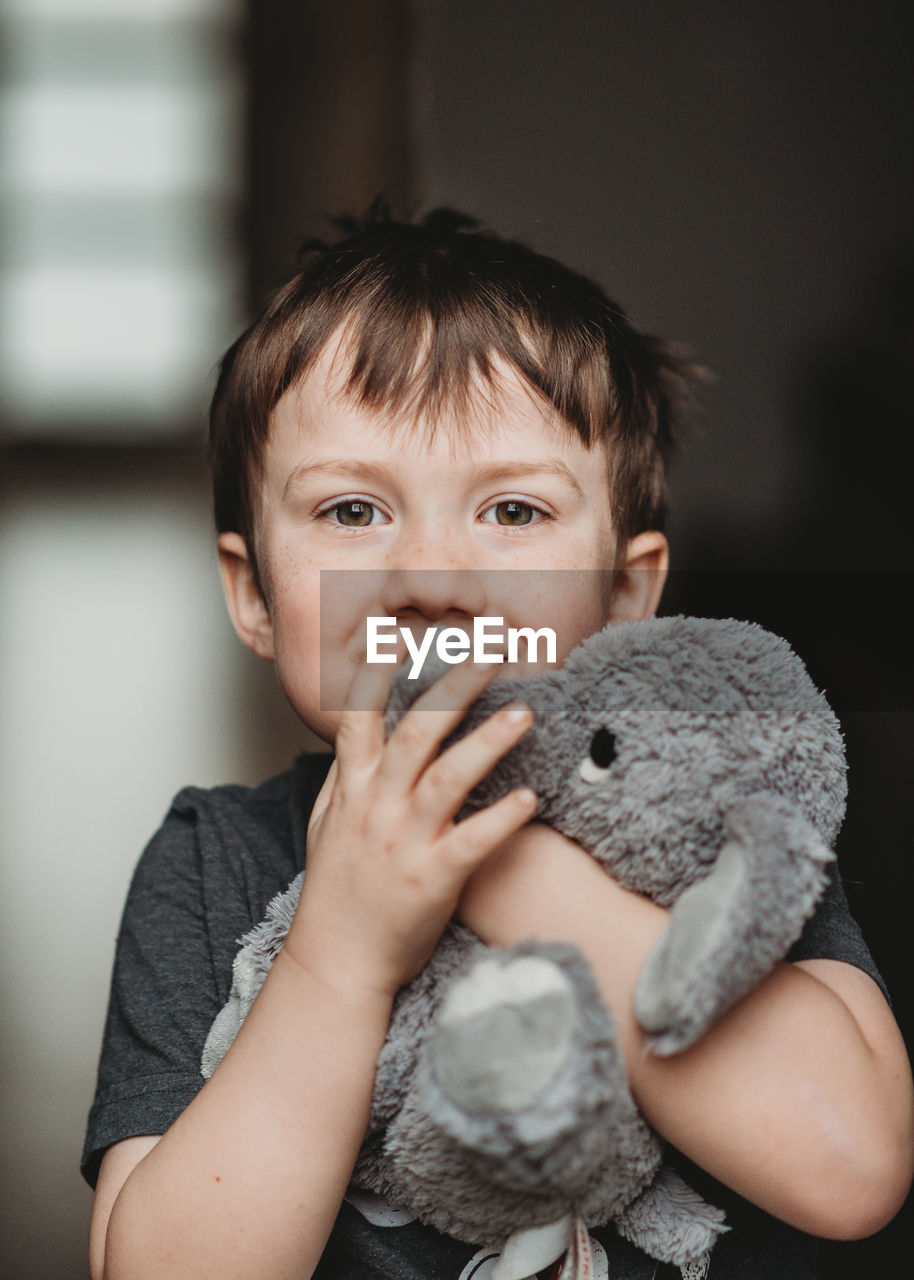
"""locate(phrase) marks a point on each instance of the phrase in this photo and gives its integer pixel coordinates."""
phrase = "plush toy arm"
(671, 1222)
(249, 970)
(729, 930)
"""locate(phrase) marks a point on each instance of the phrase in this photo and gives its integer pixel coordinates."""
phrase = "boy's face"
(346, 489)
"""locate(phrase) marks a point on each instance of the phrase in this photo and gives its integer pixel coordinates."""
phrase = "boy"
(425, 398)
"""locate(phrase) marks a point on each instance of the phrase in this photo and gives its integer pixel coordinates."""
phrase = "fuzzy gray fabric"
(696, 761)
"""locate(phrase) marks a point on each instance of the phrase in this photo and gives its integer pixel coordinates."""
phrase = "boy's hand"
(386, 862)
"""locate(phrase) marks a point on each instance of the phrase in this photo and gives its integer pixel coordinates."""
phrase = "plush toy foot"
(728, 931)
(672, 1222)
(504, 1033)
(519, 1112)
(523, 1070)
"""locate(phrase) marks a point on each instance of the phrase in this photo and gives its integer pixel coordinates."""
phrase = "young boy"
(421, 400)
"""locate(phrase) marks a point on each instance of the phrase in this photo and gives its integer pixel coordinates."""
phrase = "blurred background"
(739, 176)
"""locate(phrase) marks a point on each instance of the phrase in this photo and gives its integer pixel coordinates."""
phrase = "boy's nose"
(434, 593)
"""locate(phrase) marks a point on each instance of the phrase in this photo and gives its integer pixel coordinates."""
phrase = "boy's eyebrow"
(543, 467)
(348, 467)
(487, 472)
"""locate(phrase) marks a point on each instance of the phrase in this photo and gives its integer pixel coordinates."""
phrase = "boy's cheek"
(307, 698)
(315, 671)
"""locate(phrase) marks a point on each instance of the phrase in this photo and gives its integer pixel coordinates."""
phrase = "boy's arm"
(799, 1098)
(248, 1180)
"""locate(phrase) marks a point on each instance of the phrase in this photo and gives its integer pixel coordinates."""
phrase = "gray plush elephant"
(696, 761)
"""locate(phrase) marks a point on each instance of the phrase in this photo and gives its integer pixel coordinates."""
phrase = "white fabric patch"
(533, 1249)
(376, 1210)
(482, 1265)
(591, 772)
(491, 984)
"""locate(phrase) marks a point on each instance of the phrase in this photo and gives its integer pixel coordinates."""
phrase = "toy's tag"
(578, 1261)
(696, 1270)
(527, 1248)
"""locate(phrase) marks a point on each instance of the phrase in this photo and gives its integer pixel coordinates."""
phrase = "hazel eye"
(513, 512)
(595, 765)
(354, 513)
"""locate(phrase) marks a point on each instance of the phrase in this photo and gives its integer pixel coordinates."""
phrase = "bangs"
(422, 333)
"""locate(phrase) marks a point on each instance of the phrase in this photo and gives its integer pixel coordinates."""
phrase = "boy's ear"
(246, 604)
(638, 582)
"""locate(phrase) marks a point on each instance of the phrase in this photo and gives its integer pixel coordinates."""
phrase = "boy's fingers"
(447, 782)
(472, 840)
(360, 734)
(442, 706)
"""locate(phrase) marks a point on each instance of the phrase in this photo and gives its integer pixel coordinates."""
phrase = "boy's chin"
(323, 724)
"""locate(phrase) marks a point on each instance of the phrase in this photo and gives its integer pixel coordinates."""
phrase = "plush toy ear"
(728, 930)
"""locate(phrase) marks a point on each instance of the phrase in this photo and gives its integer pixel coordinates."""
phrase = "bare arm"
(800, 1098)
(248, 1181)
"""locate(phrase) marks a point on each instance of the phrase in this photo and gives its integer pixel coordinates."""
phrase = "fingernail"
(515, 712)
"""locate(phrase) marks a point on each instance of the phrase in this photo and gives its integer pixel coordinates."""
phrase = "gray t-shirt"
(205, 879)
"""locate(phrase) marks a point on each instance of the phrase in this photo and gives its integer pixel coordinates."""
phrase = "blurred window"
(121, 130)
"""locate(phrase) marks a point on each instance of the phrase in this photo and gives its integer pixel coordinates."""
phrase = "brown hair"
(425, 307)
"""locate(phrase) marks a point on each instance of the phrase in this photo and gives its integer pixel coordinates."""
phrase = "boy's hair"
(424, 308)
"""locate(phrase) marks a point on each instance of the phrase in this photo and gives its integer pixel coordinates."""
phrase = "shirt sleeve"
(203, 881)
(832, 933)
(164, 996)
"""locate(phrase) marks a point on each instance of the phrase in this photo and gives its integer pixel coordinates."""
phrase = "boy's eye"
(354, 513)
(512, 513)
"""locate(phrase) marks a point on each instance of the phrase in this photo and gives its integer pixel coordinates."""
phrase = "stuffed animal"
(696, 761)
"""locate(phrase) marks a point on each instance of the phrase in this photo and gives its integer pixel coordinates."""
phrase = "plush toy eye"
(603, 748)
(602, 753)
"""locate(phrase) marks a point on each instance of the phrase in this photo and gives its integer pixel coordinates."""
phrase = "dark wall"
(740, 177)
(329, 120)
